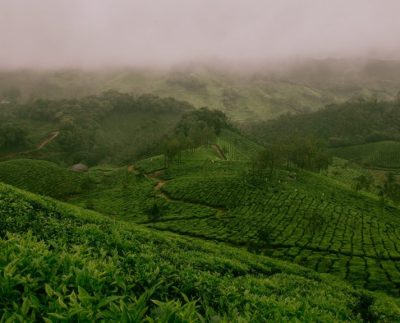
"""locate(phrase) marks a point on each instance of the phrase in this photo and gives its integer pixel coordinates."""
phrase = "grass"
(62, 263)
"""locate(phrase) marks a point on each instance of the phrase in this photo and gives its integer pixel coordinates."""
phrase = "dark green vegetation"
(61, 263)
(383, 154)
(253, 207)
(112, 127)
(340, 125)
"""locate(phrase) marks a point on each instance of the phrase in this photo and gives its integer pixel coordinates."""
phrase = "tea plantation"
(303, 217)
(42, 177)
(62, 263)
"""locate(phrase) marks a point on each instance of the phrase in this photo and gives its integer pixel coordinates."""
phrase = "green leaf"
(83, 294)
(108, 300)
(61, 303)
(57, 316)
(49, 290)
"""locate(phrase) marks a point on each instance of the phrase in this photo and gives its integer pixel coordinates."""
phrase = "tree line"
(194, 129)
(306, 153)
(350, 123)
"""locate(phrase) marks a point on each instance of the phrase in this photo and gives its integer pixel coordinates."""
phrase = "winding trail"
(40, 146)
(53, 136)
(155, 176)
(219, 151)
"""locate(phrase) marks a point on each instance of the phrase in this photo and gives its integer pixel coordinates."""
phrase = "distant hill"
(59, 262)
(262, 92)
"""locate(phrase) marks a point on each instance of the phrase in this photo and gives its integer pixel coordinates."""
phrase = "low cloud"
(98, 33)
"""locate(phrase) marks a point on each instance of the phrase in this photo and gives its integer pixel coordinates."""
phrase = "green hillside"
(260, 93)
(303, 217)
(62, 263)
(385, 154)
(109, 128)
(42, 177)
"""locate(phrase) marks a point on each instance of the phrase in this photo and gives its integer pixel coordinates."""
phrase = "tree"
(363, 182)
(171, 148)
(391, 188)
(265, 163)
(155, 211)
(12, 136)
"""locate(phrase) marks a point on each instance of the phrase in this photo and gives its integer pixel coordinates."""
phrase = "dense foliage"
(346, 124)
(385, 154)
(60, 263)
(111, 127)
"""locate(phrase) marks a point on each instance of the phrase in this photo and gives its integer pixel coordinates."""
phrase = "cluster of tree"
(347, 124)
(363, 182)
(79, 121)
(195, 128)
(304, 153)
(390, 189)
(97, 107)
(12, 136)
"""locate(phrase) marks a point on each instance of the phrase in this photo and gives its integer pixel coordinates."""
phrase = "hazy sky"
(91, 33)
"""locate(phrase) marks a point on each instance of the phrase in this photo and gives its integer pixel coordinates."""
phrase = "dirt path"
(53, 136)
(155, 176)
(160, 183)
(43, 144)
(219, 151)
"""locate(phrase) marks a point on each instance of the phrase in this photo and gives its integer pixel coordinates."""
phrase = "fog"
(99, 33)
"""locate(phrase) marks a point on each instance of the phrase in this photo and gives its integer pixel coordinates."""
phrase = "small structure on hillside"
(79, 168)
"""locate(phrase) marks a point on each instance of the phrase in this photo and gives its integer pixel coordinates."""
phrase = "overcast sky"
(92, 33)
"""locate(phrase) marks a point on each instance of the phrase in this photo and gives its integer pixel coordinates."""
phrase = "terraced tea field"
(127, 194)
(61, 263)
(303, 217)
(237, 147)
(42, 177)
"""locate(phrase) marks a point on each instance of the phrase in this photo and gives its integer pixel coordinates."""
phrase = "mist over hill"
(242, 92)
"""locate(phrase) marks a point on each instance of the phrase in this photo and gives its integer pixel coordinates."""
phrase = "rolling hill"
(42, 177)
(306, 218)
(59, 263)
(261, 92)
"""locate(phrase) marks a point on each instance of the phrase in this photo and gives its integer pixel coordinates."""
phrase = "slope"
(42, 177)
(260, 93)
(383, 154)
(299, 216)
(62, 263)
